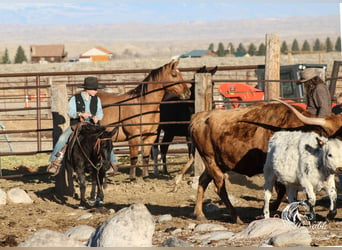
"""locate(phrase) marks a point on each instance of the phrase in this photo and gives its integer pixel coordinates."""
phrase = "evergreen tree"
(252, 49)
(20, 56)
(211, 47)
(230, 49)
(220, 51)
(328, 45)
(295, 45)
(261, 50)
(306, 46)
(5, 57)
(241, 49)
(317, 45)
(338, 44)
(284, 49)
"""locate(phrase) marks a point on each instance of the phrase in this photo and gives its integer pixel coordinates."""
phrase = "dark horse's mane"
(91, 129)
(141, 89)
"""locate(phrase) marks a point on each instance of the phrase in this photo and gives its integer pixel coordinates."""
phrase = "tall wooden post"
(272, 64)
(59, 109)
(203, 102)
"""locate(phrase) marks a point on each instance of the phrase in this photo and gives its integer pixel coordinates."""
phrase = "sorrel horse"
(175, 112)
(137, 111)
(89, 151)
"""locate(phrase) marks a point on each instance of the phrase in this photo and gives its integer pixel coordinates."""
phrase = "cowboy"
(83, 107)
(318, 98)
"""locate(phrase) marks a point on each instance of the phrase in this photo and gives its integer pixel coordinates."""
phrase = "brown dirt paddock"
(18, 221)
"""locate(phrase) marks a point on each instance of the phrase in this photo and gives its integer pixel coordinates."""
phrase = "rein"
(97, 147)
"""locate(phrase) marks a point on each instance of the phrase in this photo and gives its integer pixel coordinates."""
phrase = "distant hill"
(140, 40)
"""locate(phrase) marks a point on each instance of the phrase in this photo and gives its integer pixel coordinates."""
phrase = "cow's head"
(332, 124)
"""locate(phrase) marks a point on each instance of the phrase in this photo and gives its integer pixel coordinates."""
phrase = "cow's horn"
(306, 120)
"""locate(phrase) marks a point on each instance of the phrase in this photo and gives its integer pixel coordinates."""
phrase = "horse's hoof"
(59, 199)
(99, 203)
(331, 215)
(146, 178)
(91, 202)
(132, 179)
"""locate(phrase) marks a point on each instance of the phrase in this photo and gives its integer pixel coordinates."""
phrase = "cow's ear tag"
(319, 142)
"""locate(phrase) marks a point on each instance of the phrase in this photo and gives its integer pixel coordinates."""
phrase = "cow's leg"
(268, 188)
(291, 193)
(330, 188)
(311, 198)
(203, 183)
(281, 191)
(168, 137)
(219, 180)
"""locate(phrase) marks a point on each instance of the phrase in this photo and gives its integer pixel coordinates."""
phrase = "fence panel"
(26, 113)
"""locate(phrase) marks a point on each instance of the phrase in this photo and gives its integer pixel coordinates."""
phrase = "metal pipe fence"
(25, 103)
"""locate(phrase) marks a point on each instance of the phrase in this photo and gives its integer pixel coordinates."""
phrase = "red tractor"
(233, 95)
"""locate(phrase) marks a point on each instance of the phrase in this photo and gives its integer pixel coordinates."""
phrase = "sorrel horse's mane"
(141, 89)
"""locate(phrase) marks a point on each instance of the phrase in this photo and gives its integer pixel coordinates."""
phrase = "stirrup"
(54, 167)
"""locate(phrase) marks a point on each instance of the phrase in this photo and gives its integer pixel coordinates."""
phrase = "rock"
(298, 237)
(80, 232)
(48, 238)
(209, 227)
(175, 242)
(17, 195)
(165, 217)
(219, 235)
(85, 216)
(266, 227)
(130, 227)
(3, 197)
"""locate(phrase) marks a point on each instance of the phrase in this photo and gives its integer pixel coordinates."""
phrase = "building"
(96, 54)
(47, 53)
(198, 53)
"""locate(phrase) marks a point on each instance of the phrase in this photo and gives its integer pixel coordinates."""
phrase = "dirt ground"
(19, 221)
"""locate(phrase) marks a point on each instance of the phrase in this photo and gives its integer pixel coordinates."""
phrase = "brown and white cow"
(237, 140)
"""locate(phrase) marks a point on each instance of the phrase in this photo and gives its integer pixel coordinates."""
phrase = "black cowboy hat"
(91, 82)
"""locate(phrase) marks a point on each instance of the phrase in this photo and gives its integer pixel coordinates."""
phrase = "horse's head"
(170, 73)
(105, 146)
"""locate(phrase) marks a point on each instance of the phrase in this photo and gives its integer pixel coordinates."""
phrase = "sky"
(156, 11)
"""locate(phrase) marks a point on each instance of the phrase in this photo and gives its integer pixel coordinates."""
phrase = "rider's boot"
(56, 164)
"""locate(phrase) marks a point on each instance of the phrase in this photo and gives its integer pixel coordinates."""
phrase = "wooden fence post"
(272, 64)
(203, 102)
(59, 110)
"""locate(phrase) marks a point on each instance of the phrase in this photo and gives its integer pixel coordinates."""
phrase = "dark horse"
(137, 111)
(89, 152)
(175, 112)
